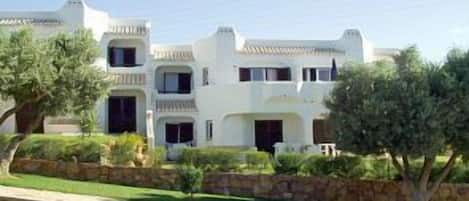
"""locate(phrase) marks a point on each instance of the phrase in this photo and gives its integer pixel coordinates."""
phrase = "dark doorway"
(268, 133)
(122, 114)
(179, 133)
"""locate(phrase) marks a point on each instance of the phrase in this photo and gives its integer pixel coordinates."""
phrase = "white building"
(223, 90)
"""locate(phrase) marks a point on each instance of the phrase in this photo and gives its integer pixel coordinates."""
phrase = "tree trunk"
(6, 157)
(25, 117)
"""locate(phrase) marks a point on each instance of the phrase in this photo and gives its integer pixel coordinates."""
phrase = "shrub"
(157, 157)
(289, 163)
(311, 165)
(124, 149)
(258, 160)
(380, 169)
(340, 166)
(84, 151)
(189, 156)
(211, 159)
(89, 121)
(43, 148)
(190, 180)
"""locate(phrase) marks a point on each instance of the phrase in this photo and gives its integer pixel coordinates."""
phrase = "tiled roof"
(173, 55)
(282, 50)
(176, 106)
(128, 79)
(128, 29)
(27, 21)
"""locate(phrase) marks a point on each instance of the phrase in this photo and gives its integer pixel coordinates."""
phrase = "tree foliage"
(53, 76)
(408, 109)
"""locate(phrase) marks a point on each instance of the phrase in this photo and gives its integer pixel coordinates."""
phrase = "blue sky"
(434, 25)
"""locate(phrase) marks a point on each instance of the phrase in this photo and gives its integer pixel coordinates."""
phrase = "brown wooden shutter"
(322, 131)
(244, 74)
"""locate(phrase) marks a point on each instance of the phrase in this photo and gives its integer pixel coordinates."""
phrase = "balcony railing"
(128, 79)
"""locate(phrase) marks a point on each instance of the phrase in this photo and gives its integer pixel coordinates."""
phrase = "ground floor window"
(209, 130)
(179, 132)
(322, 131)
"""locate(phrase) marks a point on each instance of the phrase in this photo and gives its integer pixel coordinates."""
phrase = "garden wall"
(261, 186)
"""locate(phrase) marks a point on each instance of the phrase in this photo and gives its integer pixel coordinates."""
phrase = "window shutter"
(172, 132)
(244, 74)
(205, 76)
(111, 59)
(184, 83)
(186, 132)
(283, 74)
(305, 74)
(129, 56)
(312, 72)
(322, 131)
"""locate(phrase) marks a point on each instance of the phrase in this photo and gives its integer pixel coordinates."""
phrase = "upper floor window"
(178, 83)
(316, 74)
(264, 74)
(122, 57)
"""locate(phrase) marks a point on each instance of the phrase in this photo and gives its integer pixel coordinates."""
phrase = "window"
(179, 133)
(257, 74)
(322, 131)
(315, 74)
(205, 76)
(122, 57)
(209, 130)
(179, 83)
(324, 74)
(264, 74)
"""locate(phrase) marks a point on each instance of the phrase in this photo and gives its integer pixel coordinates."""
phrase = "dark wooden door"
(267, 133)
(122, 114)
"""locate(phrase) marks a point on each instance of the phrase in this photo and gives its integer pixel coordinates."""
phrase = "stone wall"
(260, 186)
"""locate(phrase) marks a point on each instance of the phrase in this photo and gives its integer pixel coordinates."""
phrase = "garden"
(129, 150)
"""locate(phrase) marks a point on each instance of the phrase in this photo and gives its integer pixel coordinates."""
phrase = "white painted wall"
(233, 106)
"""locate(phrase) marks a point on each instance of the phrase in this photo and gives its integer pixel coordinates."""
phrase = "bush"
(211, 159)
(43, 148)
(157, 157)
(84, 151)
(340, 166)
(190, 180)
(124, 149)
(381, 169)
(289, 163)
(258, 160)
(311, 165)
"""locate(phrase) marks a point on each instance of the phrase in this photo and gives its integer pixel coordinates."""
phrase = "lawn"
(107, 190)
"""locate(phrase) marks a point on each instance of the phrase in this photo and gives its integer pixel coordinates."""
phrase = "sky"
(435, 26)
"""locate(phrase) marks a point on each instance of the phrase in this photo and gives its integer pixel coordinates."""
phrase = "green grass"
(106, 190)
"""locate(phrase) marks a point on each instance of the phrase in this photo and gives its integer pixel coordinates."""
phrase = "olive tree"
(407, 109)
(54, 76)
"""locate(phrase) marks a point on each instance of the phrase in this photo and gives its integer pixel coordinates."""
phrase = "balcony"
(126, 55)
(173, 82)
(262, 96)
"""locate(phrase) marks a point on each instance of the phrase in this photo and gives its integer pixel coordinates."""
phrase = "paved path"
(20, 194)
